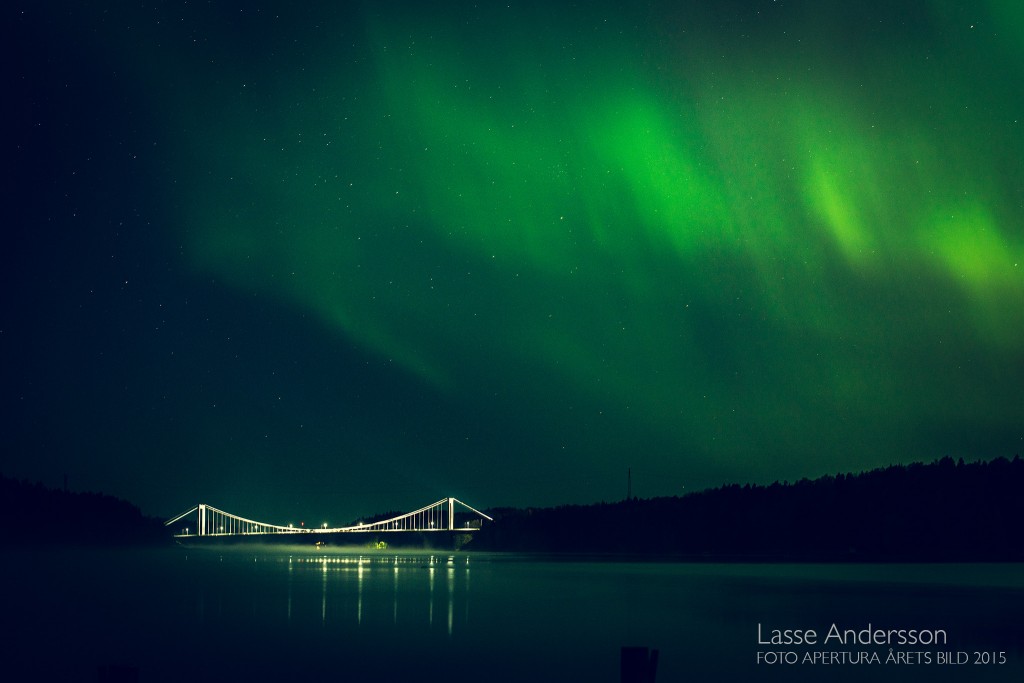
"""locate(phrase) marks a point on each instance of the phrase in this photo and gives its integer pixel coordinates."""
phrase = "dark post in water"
(638, 665)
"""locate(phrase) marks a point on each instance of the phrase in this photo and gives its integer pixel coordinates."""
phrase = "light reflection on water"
(204, 614)
(336, 574)
(350, 588)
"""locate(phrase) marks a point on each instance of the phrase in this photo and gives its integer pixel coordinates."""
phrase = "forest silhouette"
(35, 514)
(942, 511)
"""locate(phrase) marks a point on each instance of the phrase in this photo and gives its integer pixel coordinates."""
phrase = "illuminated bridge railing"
(447, 514)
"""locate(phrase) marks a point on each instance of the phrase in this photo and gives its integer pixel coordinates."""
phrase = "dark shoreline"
(940, 512)
(944, 511)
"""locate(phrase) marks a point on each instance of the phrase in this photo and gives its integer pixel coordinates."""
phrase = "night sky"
(317, 262)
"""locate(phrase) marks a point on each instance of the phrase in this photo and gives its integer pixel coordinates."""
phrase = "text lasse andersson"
(864, 636)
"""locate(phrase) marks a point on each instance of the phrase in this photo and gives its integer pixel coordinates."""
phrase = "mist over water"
(257, 614)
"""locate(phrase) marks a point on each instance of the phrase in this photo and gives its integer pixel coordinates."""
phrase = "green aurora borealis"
(720, 241)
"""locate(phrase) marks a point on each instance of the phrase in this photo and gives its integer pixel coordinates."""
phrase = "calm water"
(204, 614)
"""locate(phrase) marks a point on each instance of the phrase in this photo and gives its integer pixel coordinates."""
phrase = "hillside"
(943, 511)
(34, 514)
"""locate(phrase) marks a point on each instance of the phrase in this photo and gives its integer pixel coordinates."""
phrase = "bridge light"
(325, 525)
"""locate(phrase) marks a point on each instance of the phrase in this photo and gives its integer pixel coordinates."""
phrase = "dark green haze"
(375, 255)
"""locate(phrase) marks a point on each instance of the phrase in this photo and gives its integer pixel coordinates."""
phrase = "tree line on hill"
(33, 514)
(942, 511)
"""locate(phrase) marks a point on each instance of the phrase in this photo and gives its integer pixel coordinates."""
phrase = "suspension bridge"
(445, 515)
